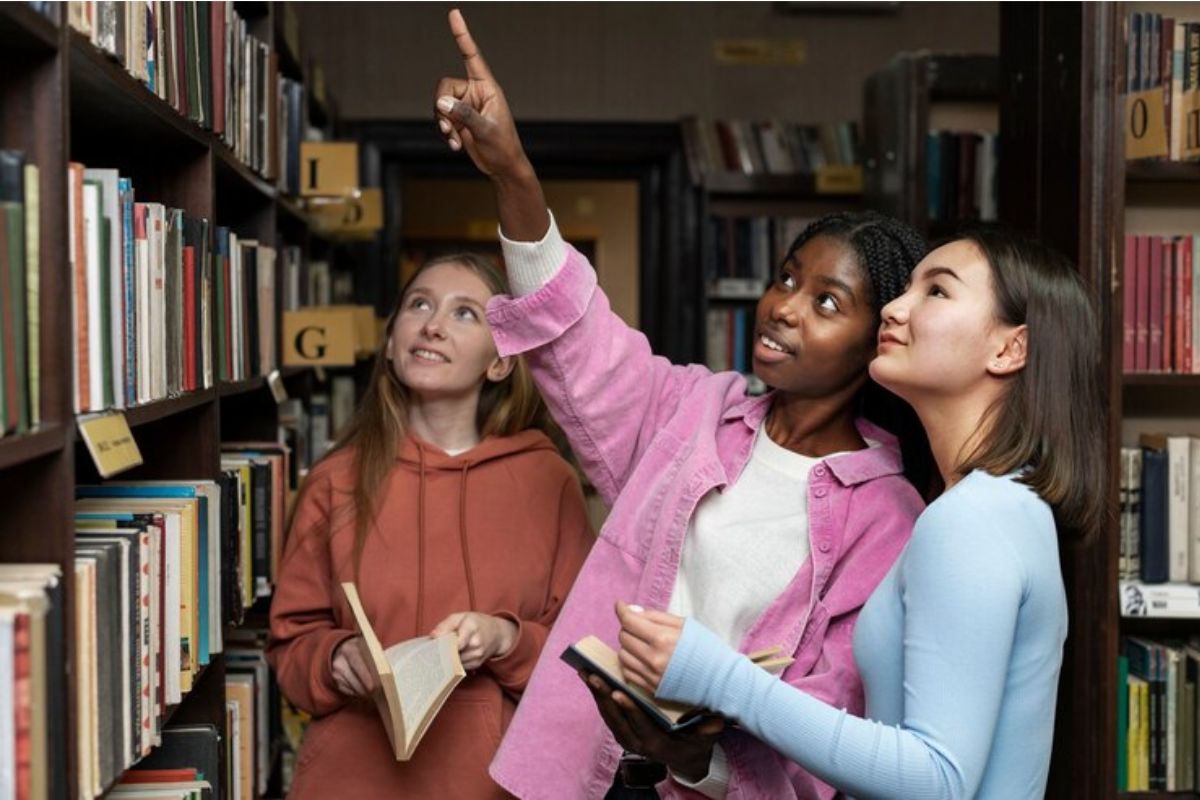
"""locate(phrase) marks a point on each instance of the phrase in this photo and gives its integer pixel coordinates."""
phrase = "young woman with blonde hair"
(451, 512)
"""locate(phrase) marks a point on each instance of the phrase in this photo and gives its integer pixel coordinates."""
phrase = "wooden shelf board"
(225, 159)
(1162, 171)
(233, 388)
(1160, 379)
(1158, 795)
(785, 187)
(291, 208)
(160, 409)
(17, 449)
(24, 30)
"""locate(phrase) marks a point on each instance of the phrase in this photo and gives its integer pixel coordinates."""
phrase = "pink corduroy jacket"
(655, 438)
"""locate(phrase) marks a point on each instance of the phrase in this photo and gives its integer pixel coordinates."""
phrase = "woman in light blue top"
(996, 347)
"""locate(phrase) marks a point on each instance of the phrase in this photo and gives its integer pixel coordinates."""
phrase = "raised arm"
(603, 384)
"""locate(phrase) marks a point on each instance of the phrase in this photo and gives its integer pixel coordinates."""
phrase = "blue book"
(174, 490)
(1154, 533)
(129, 268)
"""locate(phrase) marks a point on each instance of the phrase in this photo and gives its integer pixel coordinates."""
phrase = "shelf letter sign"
(1145, 125)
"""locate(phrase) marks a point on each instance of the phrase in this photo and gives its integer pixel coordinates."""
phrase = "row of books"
(141, 292)
(960, 175)
(200, 59)
(1160, 510)
(728, 341)
(768, 147)
(246, 319)
(160, 568)
(1160, 326)
(1157, 715)
(1164, 53)
(33, 716)
(745, 252)
(20, 377)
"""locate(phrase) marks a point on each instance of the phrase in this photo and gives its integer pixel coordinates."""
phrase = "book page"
(422, 669)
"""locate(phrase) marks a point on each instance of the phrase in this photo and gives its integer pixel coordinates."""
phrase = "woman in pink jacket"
(769, 518)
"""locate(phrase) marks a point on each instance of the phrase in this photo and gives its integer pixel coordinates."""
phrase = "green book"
(14, 218)
(1122, 723)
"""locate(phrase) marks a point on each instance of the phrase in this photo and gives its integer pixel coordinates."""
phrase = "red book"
(1179, 285)
(1155, 319)
(136, 775)
(217, 35)
(82, 384)
(189, 318)
(1141, 352)
(1169, 284)
(1184, 259)
(23, 700)
(1129, 319)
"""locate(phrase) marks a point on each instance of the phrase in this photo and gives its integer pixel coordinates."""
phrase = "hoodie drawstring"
(421, 541)
(462, 535)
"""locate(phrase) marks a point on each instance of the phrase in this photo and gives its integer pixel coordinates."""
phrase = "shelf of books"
(150, 241)
(759, 184)
(931, 124)
(1159, 466)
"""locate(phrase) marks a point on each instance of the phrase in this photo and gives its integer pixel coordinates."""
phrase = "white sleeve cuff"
(716, 783)
(531, 265)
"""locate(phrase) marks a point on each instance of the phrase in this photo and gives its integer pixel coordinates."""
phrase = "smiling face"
(815, 325)
(441, 345)
(942, 337)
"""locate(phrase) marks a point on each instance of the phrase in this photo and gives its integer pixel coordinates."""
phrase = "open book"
(415, 678)
(592, 655)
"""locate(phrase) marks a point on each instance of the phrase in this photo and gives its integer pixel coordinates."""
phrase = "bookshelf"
(62, 99)
(749, 221)
(1067, 181)
(930, 122)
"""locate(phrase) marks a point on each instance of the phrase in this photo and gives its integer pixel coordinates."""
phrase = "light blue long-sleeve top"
(959, 649)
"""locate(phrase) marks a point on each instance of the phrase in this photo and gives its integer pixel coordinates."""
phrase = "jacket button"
(821, 492)
(824, 547)
(819, 471)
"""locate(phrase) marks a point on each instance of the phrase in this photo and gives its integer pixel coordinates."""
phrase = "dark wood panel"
(25, 31)
(47, 440)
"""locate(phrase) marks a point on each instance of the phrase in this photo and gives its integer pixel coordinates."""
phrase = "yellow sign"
(110, 442)
(354, 217)
(1145, 125)
(839, 179)
(760, 52)
(328, 169)
(1191, 124)
(324, 335)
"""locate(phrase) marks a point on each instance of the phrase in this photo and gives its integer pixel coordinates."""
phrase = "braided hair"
(887, 250)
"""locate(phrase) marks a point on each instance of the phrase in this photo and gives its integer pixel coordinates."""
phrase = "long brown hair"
(506, 407)
(1049, 423)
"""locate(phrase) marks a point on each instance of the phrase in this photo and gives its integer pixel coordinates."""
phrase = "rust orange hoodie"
(500, 529)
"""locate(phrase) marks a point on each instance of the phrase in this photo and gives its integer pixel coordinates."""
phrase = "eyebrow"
(933, 272)
(838, 284)
(459, 298)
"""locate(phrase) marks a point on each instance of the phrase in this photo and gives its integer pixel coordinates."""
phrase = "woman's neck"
(448, 423)
(955, 426)
(813, 427)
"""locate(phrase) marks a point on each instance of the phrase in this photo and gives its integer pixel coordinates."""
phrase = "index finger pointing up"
(472, 58)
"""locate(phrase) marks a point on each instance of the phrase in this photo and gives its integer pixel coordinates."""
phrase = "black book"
(108, 659)
(250, 320)
(189, 747)
(231, 594)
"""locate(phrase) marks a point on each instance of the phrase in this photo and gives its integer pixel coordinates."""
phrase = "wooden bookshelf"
(62, 100)
(1067, 182)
